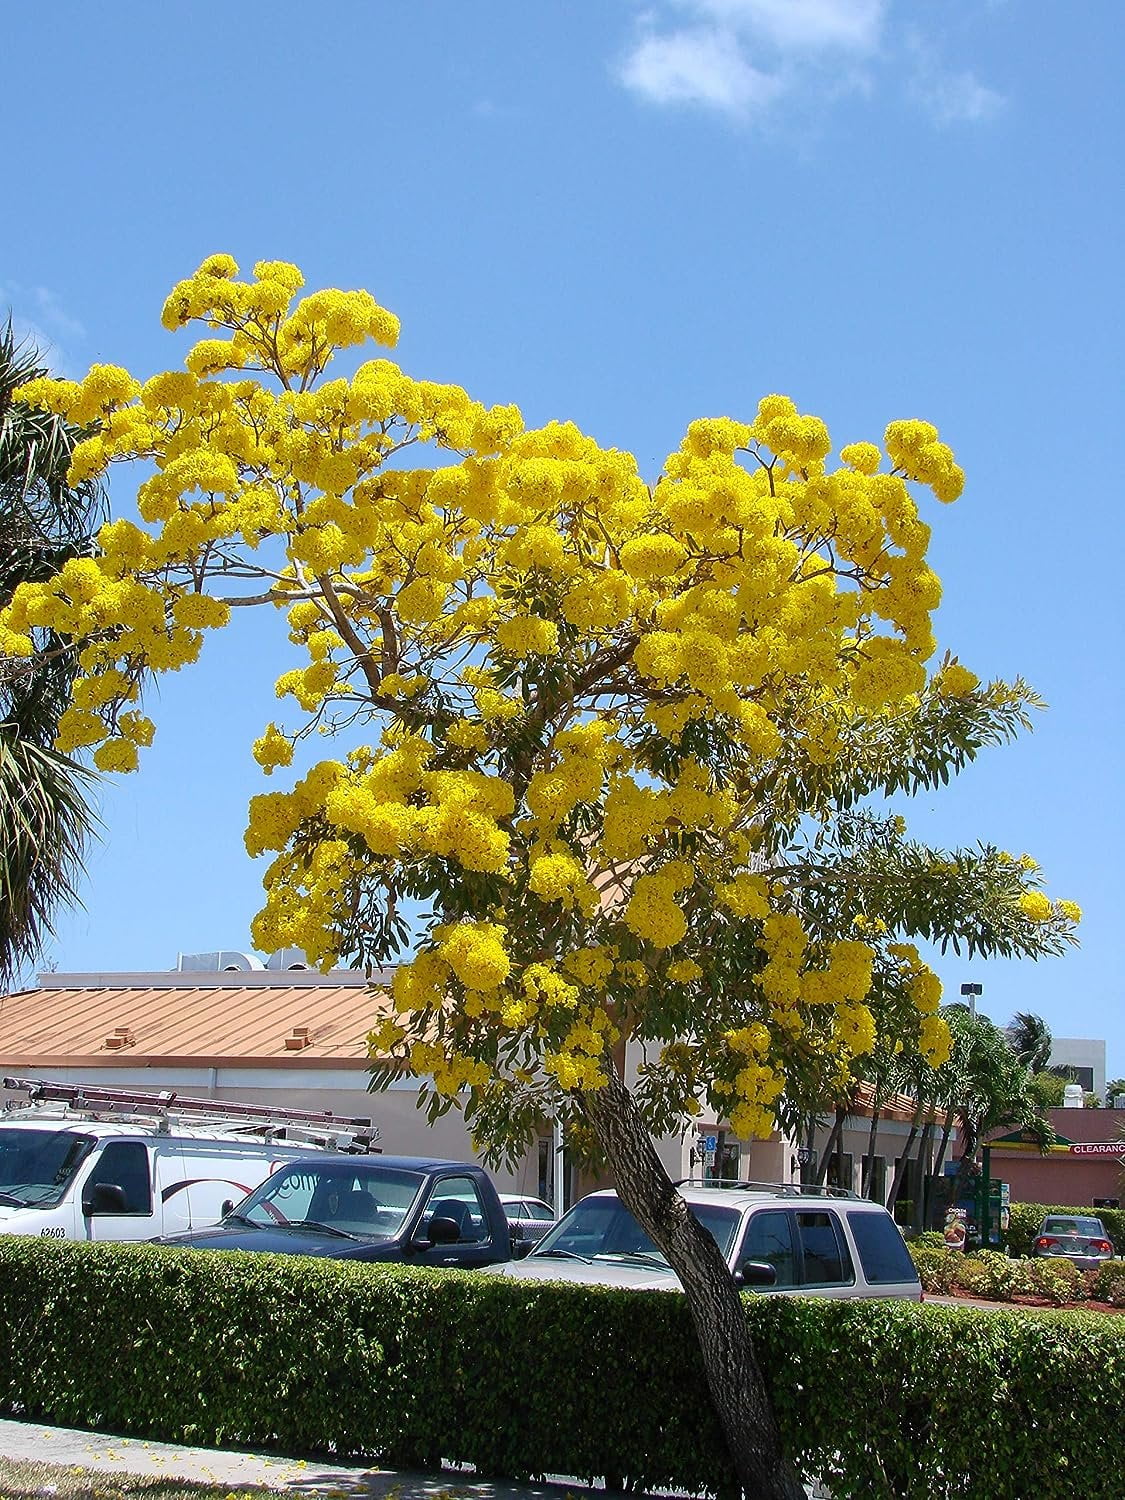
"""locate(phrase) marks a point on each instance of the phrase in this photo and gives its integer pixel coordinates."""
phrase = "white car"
(774, 1238)
(528, 1218)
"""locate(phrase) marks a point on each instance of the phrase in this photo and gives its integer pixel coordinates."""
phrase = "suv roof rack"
(784, 1189)
(351, 1133)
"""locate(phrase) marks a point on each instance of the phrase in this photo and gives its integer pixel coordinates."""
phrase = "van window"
(882, 1250)
(37, 1166)
(826, 1257)
(126, 1164)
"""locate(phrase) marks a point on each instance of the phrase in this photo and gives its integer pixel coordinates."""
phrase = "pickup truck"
(385, 1208)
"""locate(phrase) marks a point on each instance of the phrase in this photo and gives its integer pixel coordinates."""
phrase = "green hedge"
(1026, 1218)
(524, 1379)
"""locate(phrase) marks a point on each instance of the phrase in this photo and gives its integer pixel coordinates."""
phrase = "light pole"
(971, 992)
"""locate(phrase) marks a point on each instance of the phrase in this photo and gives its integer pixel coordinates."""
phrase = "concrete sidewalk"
(37, 1443)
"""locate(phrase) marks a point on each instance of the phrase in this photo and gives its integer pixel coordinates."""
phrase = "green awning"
(1024, 1140)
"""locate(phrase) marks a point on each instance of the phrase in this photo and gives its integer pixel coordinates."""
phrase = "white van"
(80, 1163)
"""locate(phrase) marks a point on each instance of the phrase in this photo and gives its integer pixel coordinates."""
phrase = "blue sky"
(629, 216)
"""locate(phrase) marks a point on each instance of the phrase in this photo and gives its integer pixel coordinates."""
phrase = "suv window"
(882, 1251)
(125, 1163)
(824, 1252)
(769, 1238)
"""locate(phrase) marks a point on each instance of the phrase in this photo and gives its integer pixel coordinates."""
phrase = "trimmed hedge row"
(1026, 1218)
(523, 1379)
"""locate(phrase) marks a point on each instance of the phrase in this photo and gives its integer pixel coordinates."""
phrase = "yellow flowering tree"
(610, 744)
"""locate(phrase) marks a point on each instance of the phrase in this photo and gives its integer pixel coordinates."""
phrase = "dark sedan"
(438, 1213)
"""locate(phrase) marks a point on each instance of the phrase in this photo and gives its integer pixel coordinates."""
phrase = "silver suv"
(774, 1237)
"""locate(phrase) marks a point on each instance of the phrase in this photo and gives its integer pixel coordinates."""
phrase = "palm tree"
(988, 1085)
(1029, 1037)
(45, 820)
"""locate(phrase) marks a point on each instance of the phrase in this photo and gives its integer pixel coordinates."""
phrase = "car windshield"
(602, 1228)
(1091, 1228)
(37, 1166)
(346, 1196)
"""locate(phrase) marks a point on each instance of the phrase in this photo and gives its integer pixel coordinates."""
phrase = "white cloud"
(699, 67)
(957, 98)
(741, 57)
(39, 319)
(803, 25)
(55, 315)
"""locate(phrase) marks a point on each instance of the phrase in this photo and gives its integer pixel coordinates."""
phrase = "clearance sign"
(1023, 1140)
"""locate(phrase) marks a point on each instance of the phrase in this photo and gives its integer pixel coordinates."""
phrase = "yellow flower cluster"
(1035, 906)
(652, 911)
(475, 953)
(591, 967)
(955, 681)
(560, 877)
(924, 990)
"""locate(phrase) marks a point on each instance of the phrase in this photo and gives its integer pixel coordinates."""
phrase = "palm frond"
(46, 825)
(45, 820)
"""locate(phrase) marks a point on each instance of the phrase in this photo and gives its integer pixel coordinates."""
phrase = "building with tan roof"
(228, 1026)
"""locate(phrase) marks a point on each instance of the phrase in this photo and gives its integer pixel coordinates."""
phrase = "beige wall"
(405, 1131)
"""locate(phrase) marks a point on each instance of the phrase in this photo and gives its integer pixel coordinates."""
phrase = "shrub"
(987, 1274)
(937, 1266)
(930, 1239)
(1107, 1283)
(524, 1379)
(1058, 1279)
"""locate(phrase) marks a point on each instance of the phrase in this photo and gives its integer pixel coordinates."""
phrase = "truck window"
(882, 1251)
(458, 1198)
(126, 1164)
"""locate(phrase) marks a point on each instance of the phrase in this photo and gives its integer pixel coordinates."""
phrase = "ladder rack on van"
(351, 1133)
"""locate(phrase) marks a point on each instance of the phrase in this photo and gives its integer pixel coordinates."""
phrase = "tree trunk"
(831, 1147)
(869, 1160)
(918, 1217)
(965, 1161)
(904, 1159)
(946, 1132)
(734, 1377)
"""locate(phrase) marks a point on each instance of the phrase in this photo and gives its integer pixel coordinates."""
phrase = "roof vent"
(225, 961)
(298, 1039)
(120, 1036)
(288, 959)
